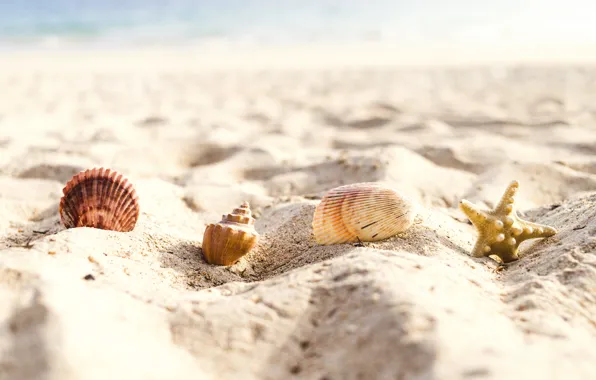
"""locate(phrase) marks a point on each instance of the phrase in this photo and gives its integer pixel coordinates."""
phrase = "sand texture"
(197, 142)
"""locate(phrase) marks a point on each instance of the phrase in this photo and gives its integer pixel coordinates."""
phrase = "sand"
(197, 138)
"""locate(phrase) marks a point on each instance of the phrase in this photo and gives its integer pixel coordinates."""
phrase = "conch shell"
(99, 198)
(367, 211)
(234, 236)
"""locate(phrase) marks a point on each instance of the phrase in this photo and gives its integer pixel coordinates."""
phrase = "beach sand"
(198, 135)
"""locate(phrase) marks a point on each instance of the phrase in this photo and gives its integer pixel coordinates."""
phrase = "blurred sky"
(152, 21)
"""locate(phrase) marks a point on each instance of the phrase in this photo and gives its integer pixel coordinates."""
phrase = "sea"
(59, 23)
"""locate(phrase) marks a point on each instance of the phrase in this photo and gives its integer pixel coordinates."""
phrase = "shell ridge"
(72, 209)
(88, 207)
(116, 187)
(388, 227)
(95, 191)
(94, 212)
(361, 211)
(132, 214)
(82, 188)
(350, 213)
(225, 242)
(123, 203)
(117, 197)
(83, 207)
(110, 186)
(123, 197)
(88, 201)
(101, 191)
(98, 218)
(391, 226)
(72, 199)
(126, 201)
(133, 211)
(327, 224)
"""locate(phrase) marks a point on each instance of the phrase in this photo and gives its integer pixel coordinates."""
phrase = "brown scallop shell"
(100, 198)
(368, 211)
(234, 236)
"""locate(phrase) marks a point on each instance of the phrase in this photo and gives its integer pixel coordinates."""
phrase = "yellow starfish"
(501, 231)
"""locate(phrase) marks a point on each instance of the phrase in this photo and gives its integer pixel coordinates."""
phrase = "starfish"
(501, 230)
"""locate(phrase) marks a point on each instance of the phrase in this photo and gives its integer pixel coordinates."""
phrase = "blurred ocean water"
(154, 22)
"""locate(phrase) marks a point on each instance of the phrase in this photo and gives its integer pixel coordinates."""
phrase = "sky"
(522, 21)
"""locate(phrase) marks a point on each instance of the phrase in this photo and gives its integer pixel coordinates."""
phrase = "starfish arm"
(505, 205)
(480, 249)
(476, 216)
(535, 230)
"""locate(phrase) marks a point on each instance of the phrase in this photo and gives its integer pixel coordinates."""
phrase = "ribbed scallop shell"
(234, 236)
(366, 211)
(99, 198)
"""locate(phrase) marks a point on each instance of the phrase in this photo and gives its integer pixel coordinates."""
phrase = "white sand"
(198, 135)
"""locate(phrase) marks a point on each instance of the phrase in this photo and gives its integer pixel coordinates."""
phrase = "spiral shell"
(99, 198)
(367, 211)
(234, 236)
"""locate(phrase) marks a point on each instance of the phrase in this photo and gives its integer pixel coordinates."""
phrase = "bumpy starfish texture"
(501, 231)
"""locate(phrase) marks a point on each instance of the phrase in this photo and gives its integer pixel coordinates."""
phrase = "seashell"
(234, 236)
(99, 198)
(367, 211)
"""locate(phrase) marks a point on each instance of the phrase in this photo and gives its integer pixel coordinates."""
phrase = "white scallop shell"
(367, 211)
